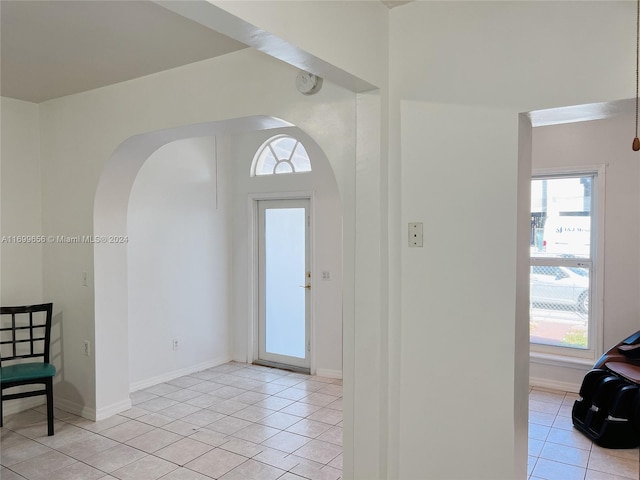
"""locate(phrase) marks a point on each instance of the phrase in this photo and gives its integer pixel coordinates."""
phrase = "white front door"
(284, 282)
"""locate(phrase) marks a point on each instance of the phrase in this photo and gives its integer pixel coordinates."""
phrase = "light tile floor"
(244, 422)
(231, 422)
(557, 451)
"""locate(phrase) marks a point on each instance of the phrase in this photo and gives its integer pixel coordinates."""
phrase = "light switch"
(415, 234)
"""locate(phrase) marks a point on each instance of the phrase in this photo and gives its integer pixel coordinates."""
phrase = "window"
(281, 154)
(564, 217)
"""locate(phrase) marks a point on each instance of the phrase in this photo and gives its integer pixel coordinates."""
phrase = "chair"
(25, 335)
(608, 410)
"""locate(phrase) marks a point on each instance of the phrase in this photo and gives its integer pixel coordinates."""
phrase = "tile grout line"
(230, 437)
(567, 400)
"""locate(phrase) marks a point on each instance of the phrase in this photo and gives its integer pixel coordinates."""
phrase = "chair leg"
(49, 388)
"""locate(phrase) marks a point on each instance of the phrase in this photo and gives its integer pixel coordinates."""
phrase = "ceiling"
(50, 49)
(53, 48)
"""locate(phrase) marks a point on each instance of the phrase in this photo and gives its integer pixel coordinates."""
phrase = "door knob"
(307, 286)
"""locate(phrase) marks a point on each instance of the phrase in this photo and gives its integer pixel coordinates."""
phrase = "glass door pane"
(284, 274)
(283, 283)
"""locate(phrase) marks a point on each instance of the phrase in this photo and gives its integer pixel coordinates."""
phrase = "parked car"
(565, 287)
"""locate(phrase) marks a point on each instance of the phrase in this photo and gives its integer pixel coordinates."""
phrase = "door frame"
(253, 265)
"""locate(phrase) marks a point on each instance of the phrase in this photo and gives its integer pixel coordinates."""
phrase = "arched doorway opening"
(112, 263)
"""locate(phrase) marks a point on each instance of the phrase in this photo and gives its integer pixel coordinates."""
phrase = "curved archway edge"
(110, 259)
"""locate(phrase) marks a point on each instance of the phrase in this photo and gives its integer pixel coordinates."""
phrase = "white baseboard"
(75, 408)
(111, 410)
(240, 359)
(119, 407)
(554, 385)
(324, 372)
(165, 377)
(18, 405)
(91, 413)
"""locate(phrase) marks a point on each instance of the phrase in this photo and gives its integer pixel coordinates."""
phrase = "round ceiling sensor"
(308, 83)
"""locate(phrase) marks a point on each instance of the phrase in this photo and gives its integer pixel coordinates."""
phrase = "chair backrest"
(25, 332)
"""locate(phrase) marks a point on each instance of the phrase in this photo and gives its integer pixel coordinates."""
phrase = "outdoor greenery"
(575, 338)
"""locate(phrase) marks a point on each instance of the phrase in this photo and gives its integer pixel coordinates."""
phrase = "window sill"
(560, 360)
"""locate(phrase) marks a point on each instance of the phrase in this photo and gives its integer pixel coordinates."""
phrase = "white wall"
(80, 133)
(602, 142)
(345, 42)
(21, 214)
(445, 57)
(326, 245)
(179, 254)
(459, 292)
(519, 55)
(460, 73)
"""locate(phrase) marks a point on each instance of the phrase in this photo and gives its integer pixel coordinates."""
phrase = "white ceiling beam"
(238, 29)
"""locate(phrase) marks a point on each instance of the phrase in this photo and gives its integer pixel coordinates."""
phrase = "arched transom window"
(281, 154)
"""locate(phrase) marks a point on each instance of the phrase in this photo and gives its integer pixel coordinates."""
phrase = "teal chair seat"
(26, 371)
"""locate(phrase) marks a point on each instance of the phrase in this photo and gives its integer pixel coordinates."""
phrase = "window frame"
(558, 354)
(268, 145)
